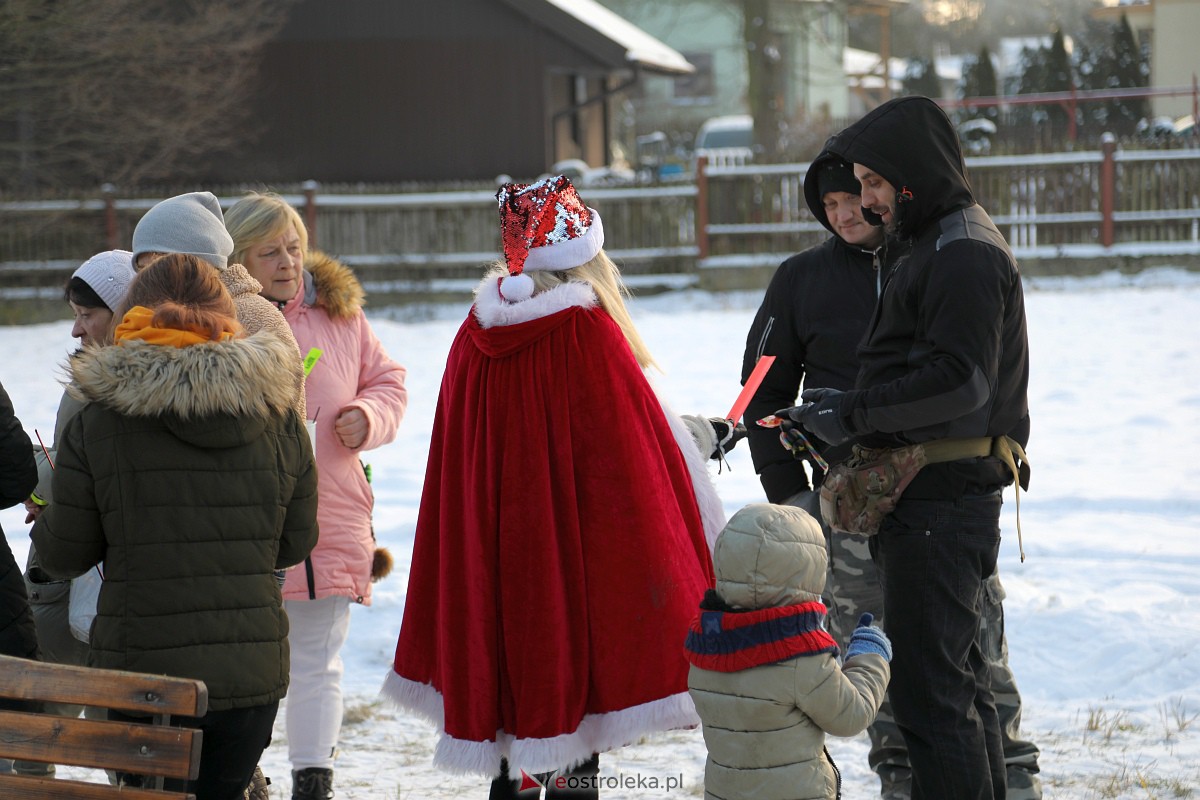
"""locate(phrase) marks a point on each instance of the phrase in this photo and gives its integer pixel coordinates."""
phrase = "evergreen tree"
(979, 80)
(1130, 69)
(1110, 58)
(1047, 69)
(921, 78)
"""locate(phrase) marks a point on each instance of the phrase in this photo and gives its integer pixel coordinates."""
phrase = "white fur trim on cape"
(712, 511)
(597, 733)
(493, 312)
(569, 254)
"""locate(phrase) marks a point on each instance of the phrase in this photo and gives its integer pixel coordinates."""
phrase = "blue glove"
(866, 639)
(820, 414)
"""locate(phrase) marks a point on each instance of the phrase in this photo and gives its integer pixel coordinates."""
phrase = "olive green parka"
(189, 474)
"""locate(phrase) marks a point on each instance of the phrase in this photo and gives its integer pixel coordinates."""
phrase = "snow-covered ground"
(1103, 618)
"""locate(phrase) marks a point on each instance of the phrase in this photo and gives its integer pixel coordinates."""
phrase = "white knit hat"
(108, 274)
(191, 224)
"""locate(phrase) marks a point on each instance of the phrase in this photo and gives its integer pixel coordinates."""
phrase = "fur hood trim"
(492, 311)
(337, 289)
(241, 377)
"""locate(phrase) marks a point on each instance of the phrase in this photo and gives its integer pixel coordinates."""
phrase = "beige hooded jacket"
(765, 726)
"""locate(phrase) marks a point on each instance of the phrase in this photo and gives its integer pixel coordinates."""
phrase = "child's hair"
(259, 217)
(605, 279)
(184, 293)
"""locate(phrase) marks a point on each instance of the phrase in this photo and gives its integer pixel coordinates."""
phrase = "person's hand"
(727, 434)
(713, 436)
(867, 639)
(33, 509)
(820, 414)
(351, 427)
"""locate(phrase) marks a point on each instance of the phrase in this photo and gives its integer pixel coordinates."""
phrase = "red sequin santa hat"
(544, 226)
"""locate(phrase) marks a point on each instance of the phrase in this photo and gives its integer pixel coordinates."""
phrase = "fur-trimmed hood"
(332, 285)
(492, 311)
(244, 378)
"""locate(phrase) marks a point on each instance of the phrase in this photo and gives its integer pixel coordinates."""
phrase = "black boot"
(312, 783)
(505, 788)
(579, 783)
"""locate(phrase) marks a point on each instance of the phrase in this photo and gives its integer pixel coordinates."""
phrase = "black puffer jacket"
(946, 354)
(190, 475)
(812, 318)
(18, 475)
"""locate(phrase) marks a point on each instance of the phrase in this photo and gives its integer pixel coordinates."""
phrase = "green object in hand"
(310, 360)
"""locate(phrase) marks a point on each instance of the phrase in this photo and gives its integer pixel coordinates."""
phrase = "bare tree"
(126, 91)
(765, 73)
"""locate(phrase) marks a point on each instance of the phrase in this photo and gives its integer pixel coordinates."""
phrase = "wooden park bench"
(153, 749)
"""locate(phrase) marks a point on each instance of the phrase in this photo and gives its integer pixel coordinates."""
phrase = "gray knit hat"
(191, 224)
(109, 274)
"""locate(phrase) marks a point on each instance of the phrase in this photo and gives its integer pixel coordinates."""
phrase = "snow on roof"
(862, 62)
(640, 47)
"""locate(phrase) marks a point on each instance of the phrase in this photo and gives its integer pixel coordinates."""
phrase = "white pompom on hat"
(109, 274)
(544, 226)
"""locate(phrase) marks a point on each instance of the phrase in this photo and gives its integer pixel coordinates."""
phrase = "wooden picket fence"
(1054, 208)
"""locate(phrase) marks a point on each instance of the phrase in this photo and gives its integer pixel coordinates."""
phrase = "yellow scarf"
(137, 325)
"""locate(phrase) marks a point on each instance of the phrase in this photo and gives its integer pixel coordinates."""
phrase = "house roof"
(608, 37)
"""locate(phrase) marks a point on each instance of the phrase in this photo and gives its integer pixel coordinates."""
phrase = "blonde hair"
(603, 276)
(259, 217)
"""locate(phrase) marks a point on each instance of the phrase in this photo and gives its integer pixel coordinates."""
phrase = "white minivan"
(726, 141)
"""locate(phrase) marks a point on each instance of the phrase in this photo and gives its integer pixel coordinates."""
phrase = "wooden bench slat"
(133, 692)
(124, 746)
(28, 788)
(151, 748)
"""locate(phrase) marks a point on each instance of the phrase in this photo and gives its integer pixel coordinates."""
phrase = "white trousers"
(313, 709)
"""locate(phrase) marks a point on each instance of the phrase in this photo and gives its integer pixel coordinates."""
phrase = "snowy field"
(1103, 618)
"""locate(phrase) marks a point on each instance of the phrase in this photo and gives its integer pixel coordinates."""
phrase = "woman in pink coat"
(355, 393)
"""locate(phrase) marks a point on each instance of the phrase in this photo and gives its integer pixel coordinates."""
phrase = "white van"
(726, 141)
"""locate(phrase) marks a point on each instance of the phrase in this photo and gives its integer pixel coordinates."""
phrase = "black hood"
(910, 143)
(812, 185)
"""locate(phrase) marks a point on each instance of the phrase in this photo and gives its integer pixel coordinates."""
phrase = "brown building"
(398, 90)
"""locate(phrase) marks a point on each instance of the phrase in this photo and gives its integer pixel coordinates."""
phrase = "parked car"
(726, 141)
(584, 176)
(976, 136)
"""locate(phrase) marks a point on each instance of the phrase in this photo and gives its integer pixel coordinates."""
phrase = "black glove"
(727, 434)
(820, 415)
(714, 436)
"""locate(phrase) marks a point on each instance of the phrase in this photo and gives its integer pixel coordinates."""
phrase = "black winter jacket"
(18, 476)
(190, 475)
(946, 354)
(812, 318)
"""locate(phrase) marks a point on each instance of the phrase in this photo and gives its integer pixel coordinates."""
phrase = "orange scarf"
(137, 324)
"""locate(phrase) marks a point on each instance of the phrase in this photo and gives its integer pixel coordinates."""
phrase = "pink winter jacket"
(353, 371)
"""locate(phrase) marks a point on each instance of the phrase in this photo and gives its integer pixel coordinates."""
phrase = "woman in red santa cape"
(566, 521)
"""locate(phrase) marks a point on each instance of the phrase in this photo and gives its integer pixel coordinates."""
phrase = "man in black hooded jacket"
(812, 317)
(945, 357)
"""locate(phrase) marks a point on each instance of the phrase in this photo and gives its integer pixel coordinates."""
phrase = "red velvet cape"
(559, 552)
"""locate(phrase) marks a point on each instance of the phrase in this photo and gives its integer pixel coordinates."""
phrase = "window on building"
(699, 86)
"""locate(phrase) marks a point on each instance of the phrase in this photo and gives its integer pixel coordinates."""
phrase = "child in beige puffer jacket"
(765, 676)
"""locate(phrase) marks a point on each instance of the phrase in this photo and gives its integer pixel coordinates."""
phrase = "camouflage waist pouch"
(859, 491)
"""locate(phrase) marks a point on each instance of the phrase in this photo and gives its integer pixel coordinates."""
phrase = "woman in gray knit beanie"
(193, 224)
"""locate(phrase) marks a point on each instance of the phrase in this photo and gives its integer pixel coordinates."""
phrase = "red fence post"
(110, 215)
(1108, 177)
(310, 211)
(702, 207)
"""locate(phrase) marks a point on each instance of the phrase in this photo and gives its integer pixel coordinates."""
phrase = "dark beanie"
(835, 175)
